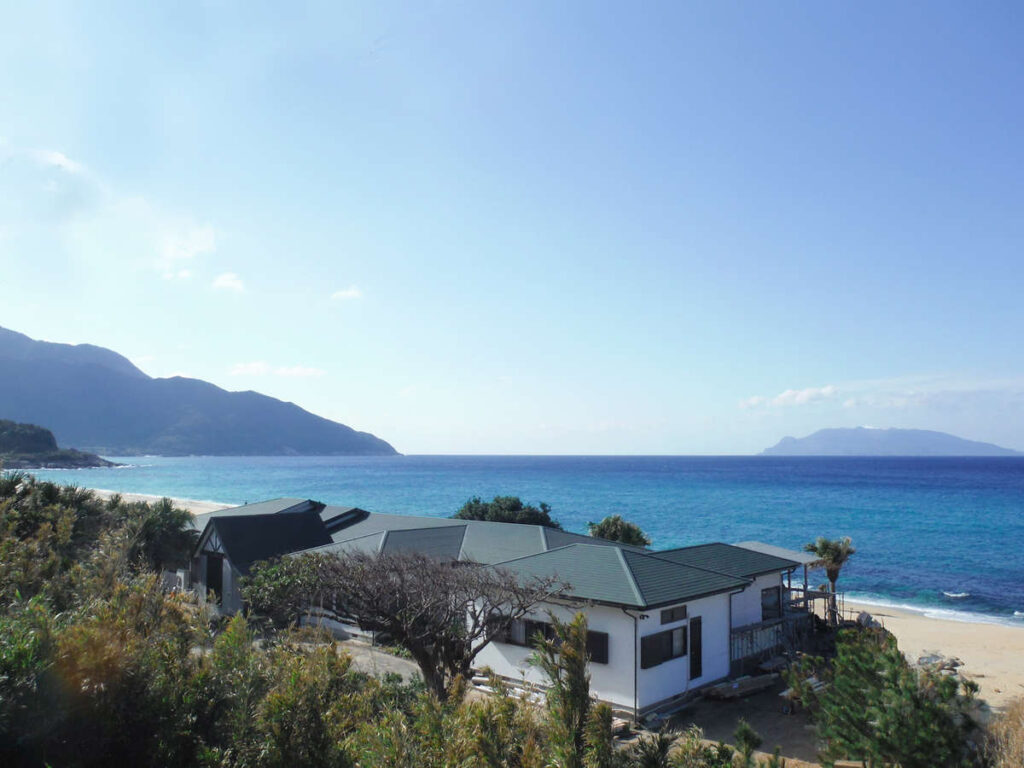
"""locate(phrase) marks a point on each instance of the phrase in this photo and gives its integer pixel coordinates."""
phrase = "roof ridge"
(535, 554)
(337, 543)
(697, 567)
(640, 598)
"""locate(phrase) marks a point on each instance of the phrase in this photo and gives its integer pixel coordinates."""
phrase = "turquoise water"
(923, 527)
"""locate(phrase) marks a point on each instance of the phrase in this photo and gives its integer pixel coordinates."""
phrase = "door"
(696, 649)
(215, 575)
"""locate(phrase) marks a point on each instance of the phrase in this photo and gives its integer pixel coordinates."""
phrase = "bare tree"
(442, 612)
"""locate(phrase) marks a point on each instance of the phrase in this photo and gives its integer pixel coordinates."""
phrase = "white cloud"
(905, 393)
(56, 159)
(229, 281)
(56, 208)
(258, 368)
(793, 397)
(298, 371)
(352, 292)
(181, 242)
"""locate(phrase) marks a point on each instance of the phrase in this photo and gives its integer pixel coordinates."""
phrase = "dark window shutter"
(597, 647)
(652, 648)
(670, 615)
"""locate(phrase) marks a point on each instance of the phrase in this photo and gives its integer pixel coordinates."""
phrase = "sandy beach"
(993, 654)
(193, 506)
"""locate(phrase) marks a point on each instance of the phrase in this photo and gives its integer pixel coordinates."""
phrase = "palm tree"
(832, 555)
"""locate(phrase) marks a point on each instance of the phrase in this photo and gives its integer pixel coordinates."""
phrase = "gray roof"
(378, 522)
(623, 577)
(480, 541)
(727, 559)
(248, 538)
(283, 505)
(595, 569)
(804, 558)
(444, 543)
(335, 517)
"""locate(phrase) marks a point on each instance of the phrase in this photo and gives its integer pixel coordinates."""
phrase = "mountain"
(26, 446)
(865, 441)
(98, 400)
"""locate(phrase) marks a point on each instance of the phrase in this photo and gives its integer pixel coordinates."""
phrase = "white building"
(662, 624)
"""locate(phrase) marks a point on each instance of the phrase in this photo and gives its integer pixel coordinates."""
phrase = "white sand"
(193, 506)
(993, 654)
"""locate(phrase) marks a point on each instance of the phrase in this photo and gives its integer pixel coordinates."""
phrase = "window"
(597, 647)
(670, 615)
(523, 632)
(771, 604)
(535, 627)
(662, 646)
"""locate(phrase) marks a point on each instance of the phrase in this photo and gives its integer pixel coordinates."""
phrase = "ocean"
(942, 535)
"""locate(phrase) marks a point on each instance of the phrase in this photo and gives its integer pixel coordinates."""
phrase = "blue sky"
(532, 227)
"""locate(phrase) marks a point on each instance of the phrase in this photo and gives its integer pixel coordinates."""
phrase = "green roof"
(622, 576)
(480, 541)
(594, 569)
(725, 558)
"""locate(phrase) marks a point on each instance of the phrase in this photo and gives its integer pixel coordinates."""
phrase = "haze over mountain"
(868, 441)
(97, 400)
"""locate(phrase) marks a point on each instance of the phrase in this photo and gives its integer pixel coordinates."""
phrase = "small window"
(671, 615)
(524, 631)
(597, 647)
(662, 646)
(534, 627)
(771, 604)
(678, 642)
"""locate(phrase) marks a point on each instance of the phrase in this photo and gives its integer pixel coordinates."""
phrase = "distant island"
(26, 446)
(867, 441)
(96, 399)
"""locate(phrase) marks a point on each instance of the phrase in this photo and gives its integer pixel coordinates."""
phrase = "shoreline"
(938, 613)
(195, 506)
(992, 653)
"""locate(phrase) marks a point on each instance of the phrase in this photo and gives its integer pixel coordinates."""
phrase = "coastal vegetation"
(25, 446)
(442, 615)
(872, 706)
(506, 509)
(1005, 743)
(614, 528)
(101, 664)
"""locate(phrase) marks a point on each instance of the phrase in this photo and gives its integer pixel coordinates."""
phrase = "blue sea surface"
(942, 534)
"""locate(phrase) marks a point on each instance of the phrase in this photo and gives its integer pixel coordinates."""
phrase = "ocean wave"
(946, 614)
(956, 595)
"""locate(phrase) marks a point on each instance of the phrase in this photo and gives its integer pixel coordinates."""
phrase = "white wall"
(611, 682)
(746, 606)
(672, 678)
